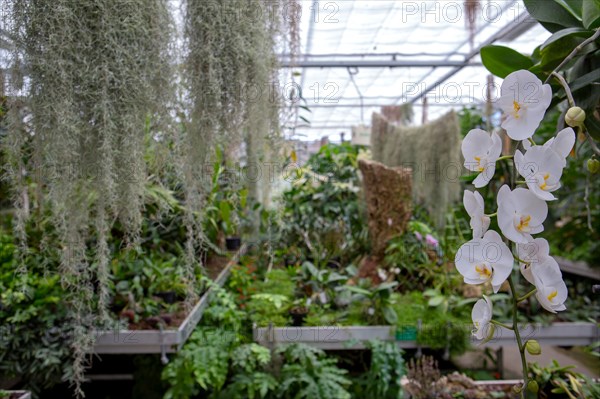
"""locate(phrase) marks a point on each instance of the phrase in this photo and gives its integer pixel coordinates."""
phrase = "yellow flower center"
(483, 271)
(479, 167)
(552, 295)
(545, 183)
(517, 108)
(524, 223)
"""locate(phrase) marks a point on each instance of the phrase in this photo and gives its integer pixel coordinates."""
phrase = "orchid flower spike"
(481, 151)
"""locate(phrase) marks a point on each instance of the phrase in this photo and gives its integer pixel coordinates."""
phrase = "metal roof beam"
(376, 64)
(387, 104)
(512, 30)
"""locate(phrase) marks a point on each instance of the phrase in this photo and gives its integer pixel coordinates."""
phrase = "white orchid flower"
(551, 289)
(562, 144)
(481, 316)
(485, 259)
(524, 100)
(520, 214)
(541, 167)
(535, 252)
(473, 202)
(481, 151)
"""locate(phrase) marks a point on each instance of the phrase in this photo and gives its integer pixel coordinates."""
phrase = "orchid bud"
(575, 117)
(533, 347)
(532, 386)
(593, 166)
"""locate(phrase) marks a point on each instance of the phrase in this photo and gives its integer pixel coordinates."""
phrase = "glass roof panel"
(404, 31)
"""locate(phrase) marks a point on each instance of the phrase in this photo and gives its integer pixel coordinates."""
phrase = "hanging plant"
(94, 71)
(229, 72)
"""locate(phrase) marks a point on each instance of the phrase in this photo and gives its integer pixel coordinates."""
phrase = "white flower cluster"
(522, 211)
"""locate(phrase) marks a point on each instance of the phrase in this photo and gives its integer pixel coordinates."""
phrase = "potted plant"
(298, 312)
(230, 208)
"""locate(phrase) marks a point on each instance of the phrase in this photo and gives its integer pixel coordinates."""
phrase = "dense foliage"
(322, 214)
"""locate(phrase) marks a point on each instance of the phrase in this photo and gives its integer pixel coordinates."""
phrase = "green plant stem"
(519, 259)
(505, 157)
(521, 182)
(531, 141)
(530, 293)
(518, 336)
(491, 215)
(501, 324)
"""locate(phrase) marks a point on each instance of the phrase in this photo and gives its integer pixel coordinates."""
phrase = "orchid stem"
(518, 336)
(521, 182)
(575, 51)
(519, 259)
(531, 141)
(530, 293)
(505, 157)
(491, 215)
(565, 86)
(501, 324)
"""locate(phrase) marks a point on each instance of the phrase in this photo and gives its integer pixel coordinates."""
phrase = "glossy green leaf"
(554, 53)
(585, 80)
(552, 15)
(572, 6)
(564, 33)
(501, 60)
(591, 14)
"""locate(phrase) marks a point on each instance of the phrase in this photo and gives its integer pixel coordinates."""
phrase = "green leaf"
(552, 15)
(593, 126)
(566, 32)
(585, 80)
(554, 53)
(358, 290)
(435, 301)
(572, 6)
(390, 315)
(225, 209)
(386, 286)
(591, 14)
(501, 60)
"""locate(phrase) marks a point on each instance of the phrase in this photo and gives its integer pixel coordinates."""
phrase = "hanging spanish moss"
(94, 71)
(230, 67)
(432, 151)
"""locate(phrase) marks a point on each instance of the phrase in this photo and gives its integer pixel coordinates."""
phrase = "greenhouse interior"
(226, 199)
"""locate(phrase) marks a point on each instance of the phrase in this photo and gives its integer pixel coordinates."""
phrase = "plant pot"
(406, 333)
(170, 297)
(233, 243)
(298, 316)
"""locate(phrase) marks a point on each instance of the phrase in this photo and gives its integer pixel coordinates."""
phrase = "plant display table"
(164, 340)
(355, 337)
